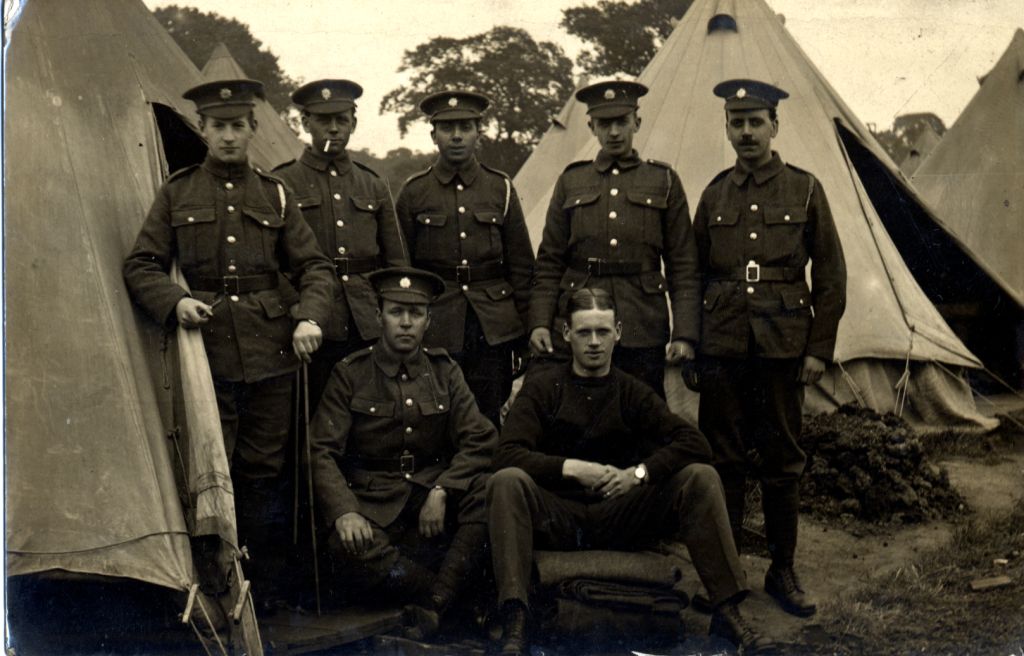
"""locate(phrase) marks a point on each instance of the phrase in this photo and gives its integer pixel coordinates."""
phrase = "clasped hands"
(604, 481)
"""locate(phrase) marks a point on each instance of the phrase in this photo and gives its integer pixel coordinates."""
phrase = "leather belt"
(466, 274)
(235, 284)
(600, 267)
(753, 272)
(405, 464)
(346, 265)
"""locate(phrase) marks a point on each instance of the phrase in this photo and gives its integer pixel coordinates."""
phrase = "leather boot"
(515, 636)
(781, 504)
(461, 565)
(727, 622)
(782, 583)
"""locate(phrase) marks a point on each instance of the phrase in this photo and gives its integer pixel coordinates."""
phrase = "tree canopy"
(619, 36)
(198, 33)
(527, 82)
(906, 128)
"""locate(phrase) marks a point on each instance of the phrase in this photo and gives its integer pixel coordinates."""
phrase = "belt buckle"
(459, 274)
(407, 464)
(341, 266)
(752, 272)
(594, 265)
(228, 281)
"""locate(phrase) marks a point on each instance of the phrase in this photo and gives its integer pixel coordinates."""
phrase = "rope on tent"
(996, 378)
(902, 385)
(199, 636)
(213, 629)
(857, 394)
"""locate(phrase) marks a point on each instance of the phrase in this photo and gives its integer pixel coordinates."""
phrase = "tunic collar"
(391, 363)
(761, 174)
(445, 172)
(320, 162)
(604, 161)
(225, 170)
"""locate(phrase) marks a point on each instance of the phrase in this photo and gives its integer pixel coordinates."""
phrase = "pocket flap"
(437, 406)
(578, 199)
(711, 296)
(273, 307)
(499, 291)
(490, 218)
(307, 201)
(264, 216)
(647, 199)
(373, 407)
(784, 215)
(795, 299)
(192, 216)
(365, 203)
(653, 282)
(723, 218)
(433, 220)
(573, 279)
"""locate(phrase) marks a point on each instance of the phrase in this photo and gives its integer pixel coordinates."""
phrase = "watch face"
(640, 472)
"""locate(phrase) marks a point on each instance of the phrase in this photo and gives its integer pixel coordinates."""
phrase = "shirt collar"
(391, 363)
(445, 172)
(320, 162)
(225, 170)
(761, 174)
(604, 161)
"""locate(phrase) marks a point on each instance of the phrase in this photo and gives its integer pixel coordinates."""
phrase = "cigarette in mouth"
(327, 144)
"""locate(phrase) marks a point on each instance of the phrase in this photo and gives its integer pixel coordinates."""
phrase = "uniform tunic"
(472, 218)
(755, 334)
(606, 212)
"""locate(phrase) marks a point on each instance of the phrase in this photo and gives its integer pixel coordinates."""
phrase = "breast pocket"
(582, 208)
(195, 233)
(430, 229)
(268, 224)
(490, 222)
(784, 233)
(648, 205)
(723, 235)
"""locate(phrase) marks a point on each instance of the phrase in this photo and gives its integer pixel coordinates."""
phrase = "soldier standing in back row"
(349, 208)
(462, 221)
(233, 230)
(610, 225)
(764, 334)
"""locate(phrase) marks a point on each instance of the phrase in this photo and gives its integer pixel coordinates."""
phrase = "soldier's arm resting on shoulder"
(828, 285)
(682, 273)
(473, 435)
(146, 268)
(552, 261)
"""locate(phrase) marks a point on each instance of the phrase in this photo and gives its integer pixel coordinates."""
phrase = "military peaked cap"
(327, 96)
(225, 98)
(407, 285)
(454, 105)
(611, 98)
(749, 94)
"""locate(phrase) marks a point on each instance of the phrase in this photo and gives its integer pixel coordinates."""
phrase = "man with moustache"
(611, 224)
(400, 454)
(592, 458)
(349, 208)
(233, 230)
(764, 333)
(463, 221)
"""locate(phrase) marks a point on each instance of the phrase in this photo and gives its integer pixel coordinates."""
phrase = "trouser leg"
(487, 368)
(647, 364)
(521, 515)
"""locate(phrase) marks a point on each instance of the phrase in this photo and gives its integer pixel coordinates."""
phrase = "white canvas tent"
(894, 350)
(923, 145)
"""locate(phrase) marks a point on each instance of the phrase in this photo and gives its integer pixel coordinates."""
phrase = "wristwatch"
(312, 321)
(640, 472)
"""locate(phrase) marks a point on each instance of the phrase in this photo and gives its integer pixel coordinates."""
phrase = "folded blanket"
(577, 621)
(639, 567)
(620, 596)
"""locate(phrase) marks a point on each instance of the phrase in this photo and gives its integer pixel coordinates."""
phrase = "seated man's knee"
(510, 480)
(697, 477)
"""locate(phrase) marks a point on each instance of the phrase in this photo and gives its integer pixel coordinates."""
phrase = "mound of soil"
(873, 468)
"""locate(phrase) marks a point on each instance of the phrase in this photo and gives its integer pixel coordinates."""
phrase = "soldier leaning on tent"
(233, 230)
(764, 334)
(400, 455)
(610, 225)
(463, 221)
(349, 208)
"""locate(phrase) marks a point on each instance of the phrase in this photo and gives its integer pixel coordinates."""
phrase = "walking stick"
(295, 478)
(309, 479)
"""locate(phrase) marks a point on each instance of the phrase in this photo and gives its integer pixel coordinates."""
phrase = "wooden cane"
(309, 479)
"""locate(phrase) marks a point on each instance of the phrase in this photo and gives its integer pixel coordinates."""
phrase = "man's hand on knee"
(432, 513)
(355, 532)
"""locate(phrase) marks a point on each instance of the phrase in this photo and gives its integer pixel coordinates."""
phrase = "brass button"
(785, 218)
(408, 402)
(753, 235)
(341, 249)
(339, 223)
(337, 196)
(408, 477)
(614, 192)
(232, 268)
(648, 201)
(615, 171)
(750, 290)
(408, 430)
(718, 219)
(344, 278)
(231, 239)
(373, 409)
(613, 214)
(426, 220)
(229, 185)
(753, 208)
(234, 298)
(369, 206)
(231, 208)
(578, 201)
(465, 262)
(265, 222)
(405, 377)
(462, 235)
(462, 210)
(614, 243)
(440, 406)
(459, 187)
(334, 173)
(191, 219)
(465, 288)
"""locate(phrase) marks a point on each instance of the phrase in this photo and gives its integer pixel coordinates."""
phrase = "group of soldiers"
(413, 318)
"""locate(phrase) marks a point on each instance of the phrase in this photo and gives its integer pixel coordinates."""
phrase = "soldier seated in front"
(592, 458)
(400, 453)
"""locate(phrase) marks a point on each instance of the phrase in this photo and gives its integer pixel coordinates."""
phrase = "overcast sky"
(884, 57)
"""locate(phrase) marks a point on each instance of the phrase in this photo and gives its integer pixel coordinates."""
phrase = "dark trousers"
(254, 418)
(753, 407)
(487, 368)
(524, 516)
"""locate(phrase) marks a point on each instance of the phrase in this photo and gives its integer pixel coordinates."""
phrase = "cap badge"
(741, 93)
(609, 94)
(225, 93)
(453, 102)
(405, 283)
(325, 93)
